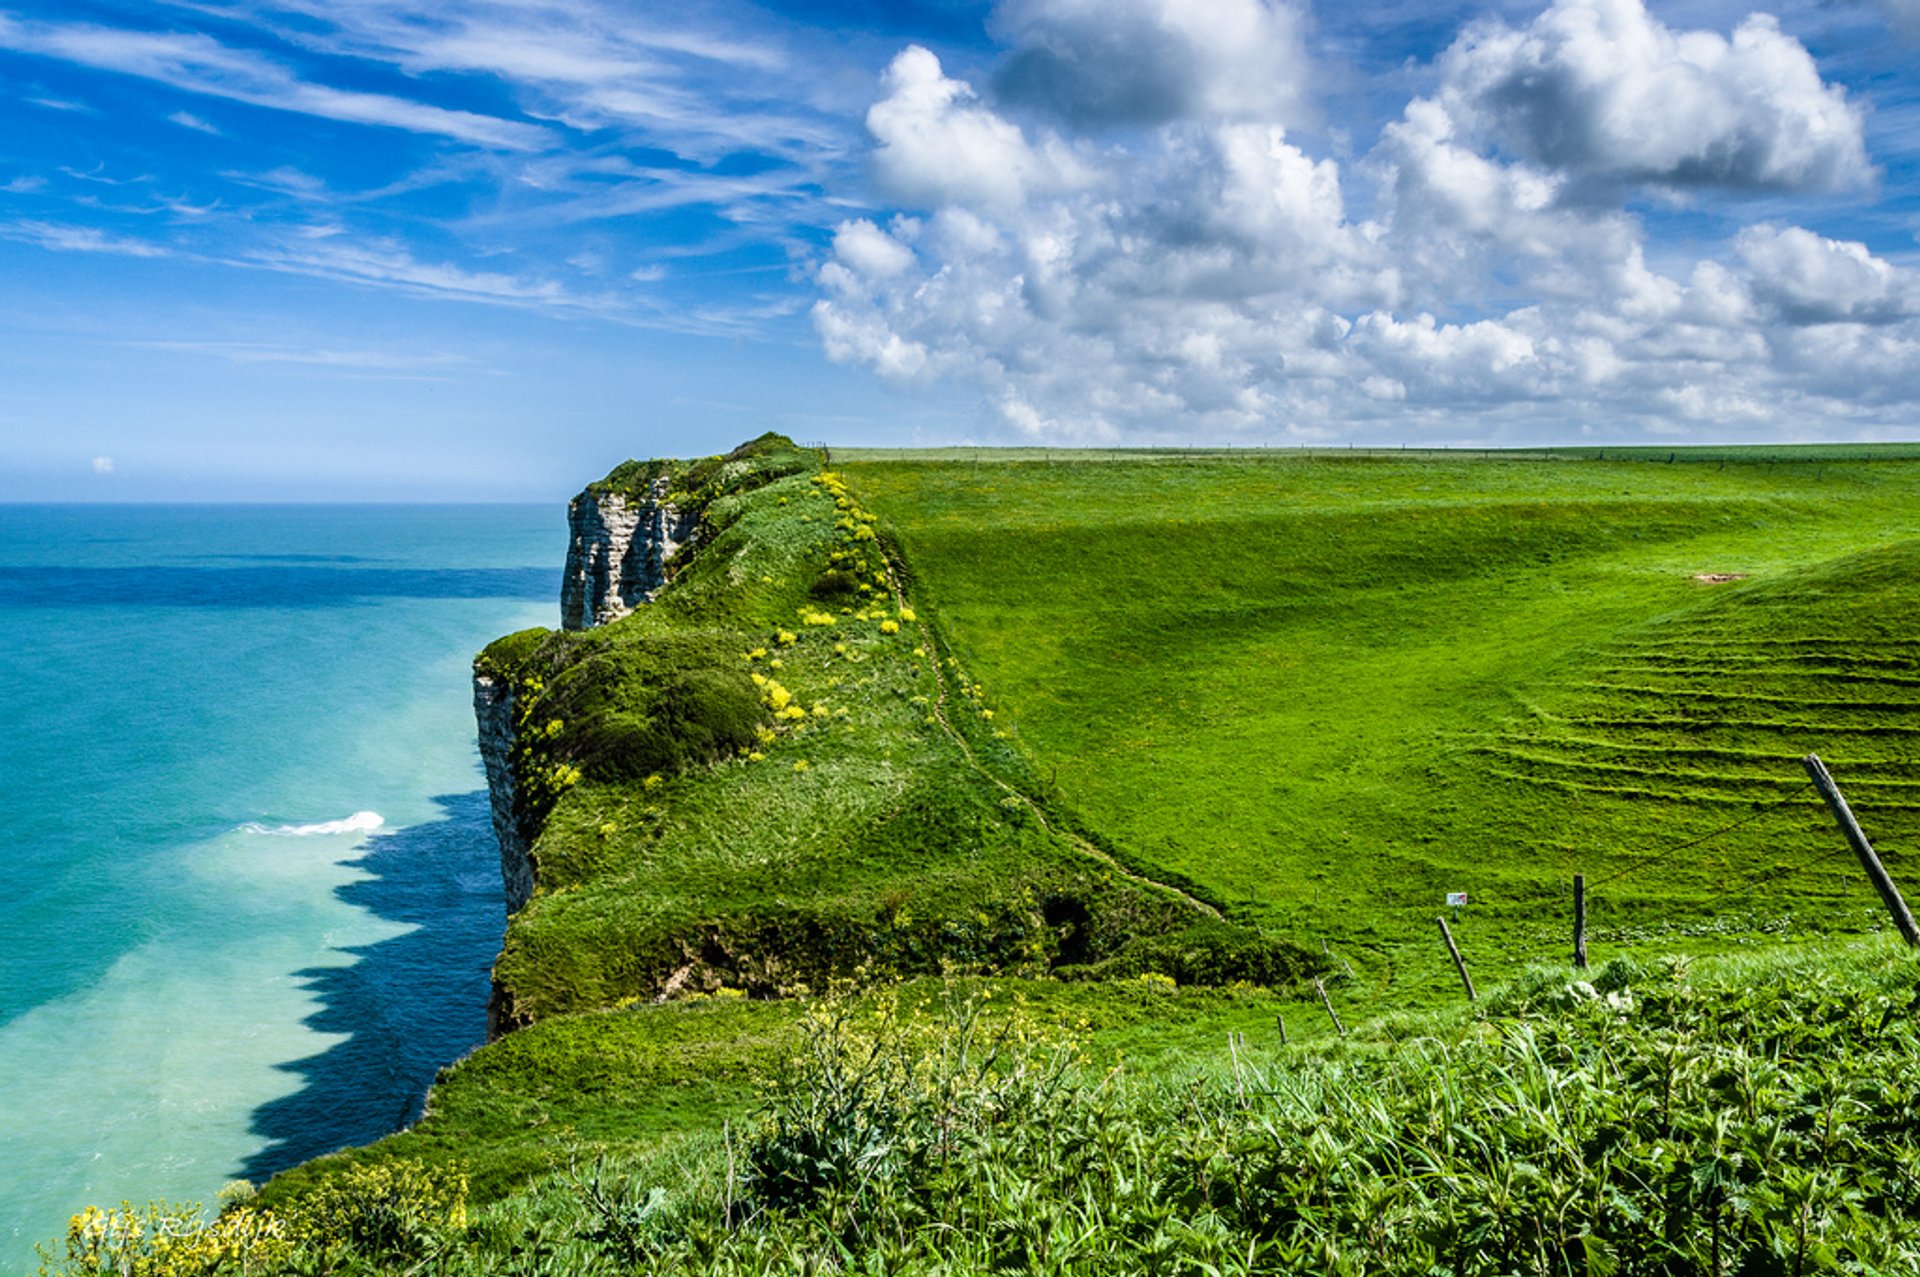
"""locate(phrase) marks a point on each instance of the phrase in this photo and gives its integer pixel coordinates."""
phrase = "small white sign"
(1456, 898)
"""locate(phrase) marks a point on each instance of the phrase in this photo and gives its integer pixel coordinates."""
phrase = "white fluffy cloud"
(1130, 62)
(1201, 272)
(1085, 289)
(939, 146)
(1811, 280)
(1602, 89)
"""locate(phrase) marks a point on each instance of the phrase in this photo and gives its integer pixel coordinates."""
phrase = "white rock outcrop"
(617, 553)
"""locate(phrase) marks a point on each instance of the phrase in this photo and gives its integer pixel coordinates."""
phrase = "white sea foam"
(361, 822)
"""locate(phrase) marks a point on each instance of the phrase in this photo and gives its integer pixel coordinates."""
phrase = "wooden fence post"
(1580, 921)
(1882, 882)
(1327, 1002)
(1459, 963)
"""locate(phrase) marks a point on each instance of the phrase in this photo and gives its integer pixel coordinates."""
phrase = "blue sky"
(384, 249)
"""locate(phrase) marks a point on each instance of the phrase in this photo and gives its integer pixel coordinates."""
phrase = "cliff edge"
(747, 763)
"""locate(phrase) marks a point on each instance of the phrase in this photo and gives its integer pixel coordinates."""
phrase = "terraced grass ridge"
(960, 866)
(1331, 691)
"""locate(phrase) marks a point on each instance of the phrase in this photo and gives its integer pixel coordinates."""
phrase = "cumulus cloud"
(1809, 279)
(1602, 89)
(1091, 290)
(1094, 63)
(1204, 273)
(938, 145)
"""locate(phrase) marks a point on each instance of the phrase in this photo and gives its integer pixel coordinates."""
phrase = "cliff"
(493, 706)
(618, 551)
(768, 778)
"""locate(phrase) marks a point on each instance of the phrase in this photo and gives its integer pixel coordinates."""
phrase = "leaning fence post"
(1882, 882)
(1580, 921)
(1327, 1002)
(1459, 963)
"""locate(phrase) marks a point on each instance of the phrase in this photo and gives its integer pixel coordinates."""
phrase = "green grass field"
(1333, 689)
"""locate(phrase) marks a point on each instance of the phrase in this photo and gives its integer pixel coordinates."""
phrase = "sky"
(401, 250)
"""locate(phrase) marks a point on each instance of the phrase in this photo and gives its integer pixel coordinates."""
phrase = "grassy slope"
(1333, 689)
(1751, 1115)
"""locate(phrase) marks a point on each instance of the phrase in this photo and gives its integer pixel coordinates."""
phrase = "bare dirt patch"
(1718, 578)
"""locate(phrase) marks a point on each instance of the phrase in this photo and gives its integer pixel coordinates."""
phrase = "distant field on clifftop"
(1332, 688)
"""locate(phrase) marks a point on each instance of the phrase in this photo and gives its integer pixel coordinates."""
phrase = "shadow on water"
(410, 1004)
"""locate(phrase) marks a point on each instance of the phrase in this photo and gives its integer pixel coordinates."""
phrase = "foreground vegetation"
(921, 878)
(1749, 1117)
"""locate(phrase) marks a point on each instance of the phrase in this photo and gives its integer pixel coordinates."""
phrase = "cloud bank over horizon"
(1250, 221)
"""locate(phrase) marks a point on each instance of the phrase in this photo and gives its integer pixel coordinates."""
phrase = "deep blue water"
(211, 967)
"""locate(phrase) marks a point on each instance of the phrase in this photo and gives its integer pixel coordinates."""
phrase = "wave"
(361, 822)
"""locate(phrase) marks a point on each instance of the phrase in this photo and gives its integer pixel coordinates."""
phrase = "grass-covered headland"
(943, 875)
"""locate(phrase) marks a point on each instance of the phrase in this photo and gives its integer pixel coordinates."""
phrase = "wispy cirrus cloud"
(371, 361)
(80, 239)
(700, 92)
(391, 264)
(187, 120)
(196, 63)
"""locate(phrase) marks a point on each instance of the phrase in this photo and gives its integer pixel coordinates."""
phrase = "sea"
(249, 892)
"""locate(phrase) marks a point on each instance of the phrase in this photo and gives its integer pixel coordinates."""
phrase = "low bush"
(652, 705)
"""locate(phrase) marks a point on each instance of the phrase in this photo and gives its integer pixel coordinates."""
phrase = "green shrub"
(880, 1104)
(649, 704)
(162, 1240)
(397, 1210)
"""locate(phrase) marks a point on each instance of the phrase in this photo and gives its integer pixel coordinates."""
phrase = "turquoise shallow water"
(213, 962)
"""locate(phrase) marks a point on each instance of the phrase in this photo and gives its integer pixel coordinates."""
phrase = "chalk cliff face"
(617, 556)
(617, 553)
(493, 711)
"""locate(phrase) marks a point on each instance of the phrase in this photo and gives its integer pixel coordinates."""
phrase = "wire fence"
(1848, 843)
(1662, 857)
